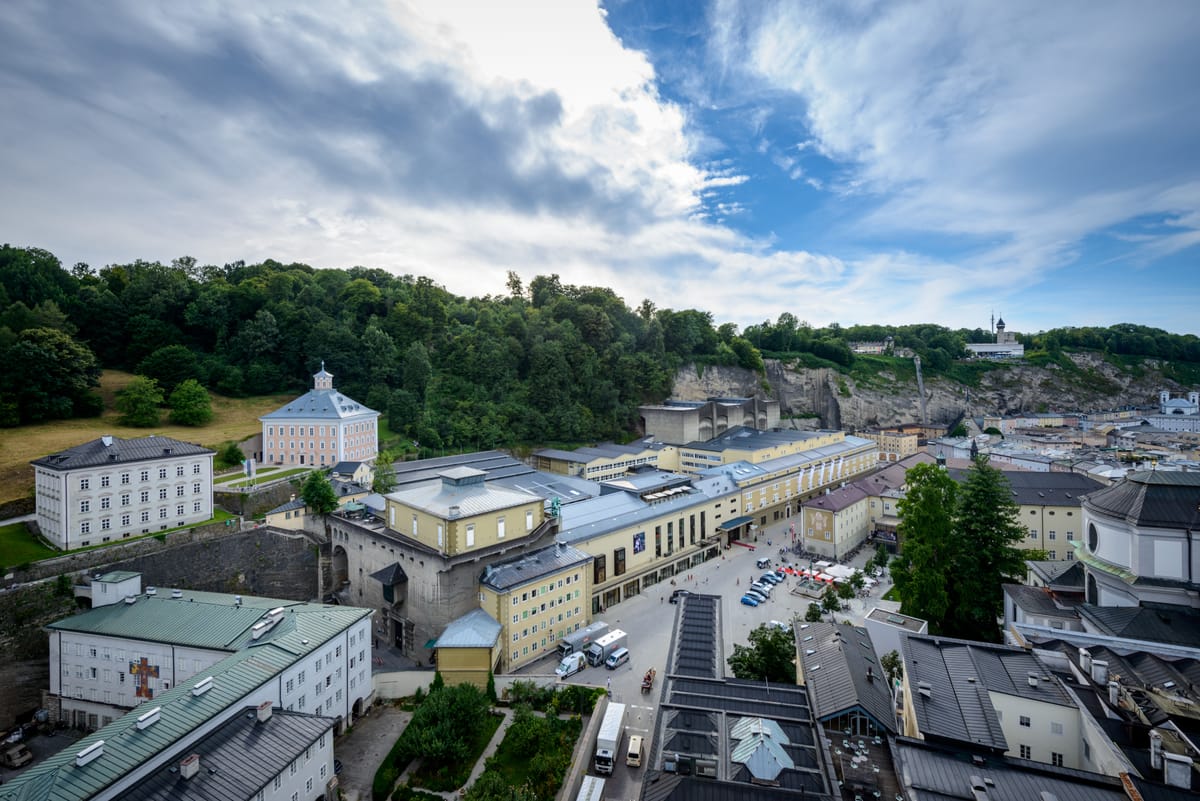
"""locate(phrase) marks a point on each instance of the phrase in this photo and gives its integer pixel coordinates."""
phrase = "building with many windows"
(322, 427)
(112, 488)
(135, 645)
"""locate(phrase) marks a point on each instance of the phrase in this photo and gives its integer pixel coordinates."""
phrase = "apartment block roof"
(532, 567)
(840, 671)
(319, 404)
(456, 494)
(216, 621)
(182, 710)
(1165, 623)
(605, 450)
(836, 500)
(1152, 498)
(620, 510)
(225, 772)
(115, 450)
(950, 681)
(747, 438)
(1031, 488)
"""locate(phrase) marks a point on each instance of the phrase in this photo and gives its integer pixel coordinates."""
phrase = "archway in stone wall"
(340, 568)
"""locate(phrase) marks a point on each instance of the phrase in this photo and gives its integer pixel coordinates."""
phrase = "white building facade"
(111, 489)
(320, 428)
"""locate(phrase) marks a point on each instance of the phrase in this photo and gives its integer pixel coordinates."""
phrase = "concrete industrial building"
(112, 488)
(677, 422)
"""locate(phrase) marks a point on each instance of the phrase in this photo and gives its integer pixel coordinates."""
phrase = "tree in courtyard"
(138, 403)
(930, 551)
(317, 494)
(442, 726)
(881, 556)
(190, 404)
(986, 523)
(830, 601)
(385, 473)
(770, 656)
(814, 613)
(893, 666)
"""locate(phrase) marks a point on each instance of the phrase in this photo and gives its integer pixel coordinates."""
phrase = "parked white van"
(633, 757)
(570, 665)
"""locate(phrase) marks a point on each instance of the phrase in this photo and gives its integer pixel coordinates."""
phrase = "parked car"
(762, 587)
(750, 600)
(764, 562)
(675, 596)
(617, 658)
(779, 624)
(781, 574)
(770, 578)
(756, 595)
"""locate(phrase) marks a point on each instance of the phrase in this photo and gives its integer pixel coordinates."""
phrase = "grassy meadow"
(233, 419)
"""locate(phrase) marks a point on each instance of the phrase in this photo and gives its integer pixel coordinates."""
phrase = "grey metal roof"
(1033, 488)
(959, 675)
(848, 676)
(532, 567)
(1150, 622)
(319, 404)
(1058, 574)
(120, 451)
(1152, 498)
(237, 759)
(475, 629)
(444, 498)
(496, 464)
(619, 510)
(1040, 601)
(929, 773)
(345, 468)
(837, 499)
(294, 503)
(127, 748)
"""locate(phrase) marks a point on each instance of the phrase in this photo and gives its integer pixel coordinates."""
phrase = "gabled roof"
(1033, 488)
(225, 771)
(391, 575)
(950, 681)
(115, 450)
(841, 673)
(294, 503)
(533, 566)
(1150, 622)
(475, 629)
(1057, 574)
(837, 500)
(206, 619)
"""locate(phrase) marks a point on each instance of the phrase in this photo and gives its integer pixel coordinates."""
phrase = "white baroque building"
(113, 488)
(320, 428)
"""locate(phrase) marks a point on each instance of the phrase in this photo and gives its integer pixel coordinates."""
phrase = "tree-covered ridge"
(939, 346)
(546, 362)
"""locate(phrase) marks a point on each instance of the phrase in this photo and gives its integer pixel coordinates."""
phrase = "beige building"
(894, 445)
(467, 650)
(836, 522)
(599, 463)
(537, 598)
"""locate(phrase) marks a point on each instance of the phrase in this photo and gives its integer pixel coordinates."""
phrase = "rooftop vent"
(203, 686)
(190, 766)
(148, 719)
(1032, 678)
(107, 440)
(237, 600)
(93, 751)
(264, 711)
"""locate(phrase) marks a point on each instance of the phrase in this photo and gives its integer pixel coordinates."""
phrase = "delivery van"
(570, 665)
(617, 658)
(633, 758)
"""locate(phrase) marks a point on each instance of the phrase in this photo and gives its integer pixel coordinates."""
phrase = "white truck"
(578, 640)
(600, 649)
(570, 665)
(592, 789)
(608, 742)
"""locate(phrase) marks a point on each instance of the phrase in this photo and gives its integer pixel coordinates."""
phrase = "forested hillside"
(546, 363)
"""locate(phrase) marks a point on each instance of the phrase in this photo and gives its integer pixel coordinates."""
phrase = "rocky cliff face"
(891, 397)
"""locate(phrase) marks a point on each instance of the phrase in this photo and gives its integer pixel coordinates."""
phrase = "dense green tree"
(171, 366)
(138, 403)
(770, 655)
(814, 613)
(893, 666)
(190, 404)
(229, 455)
(442, 725)
(986, 522)
(318, 494)
(385, 473)
(47, 376)
(929, 548)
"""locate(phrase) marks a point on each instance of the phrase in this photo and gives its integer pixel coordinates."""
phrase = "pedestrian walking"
(609, 688)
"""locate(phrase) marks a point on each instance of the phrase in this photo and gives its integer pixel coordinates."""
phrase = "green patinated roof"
(115, 576)
(127, 748)
(198, 619)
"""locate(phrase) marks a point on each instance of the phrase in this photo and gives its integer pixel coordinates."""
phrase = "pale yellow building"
(601, 462)
(537, 598)
(836, 522)
(467, 649)
(894, 445)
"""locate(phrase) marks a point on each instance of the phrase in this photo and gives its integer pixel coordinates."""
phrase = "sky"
(851, 161)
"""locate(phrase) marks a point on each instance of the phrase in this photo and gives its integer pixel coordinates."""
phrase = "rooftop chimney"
(190, 766)
(1099, 671)
(1085, 660)
(1114, 693)
(107, 440)
(264, 711)
(1156, 750)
